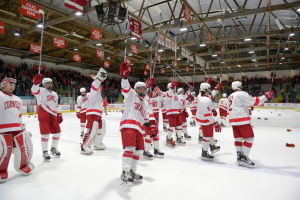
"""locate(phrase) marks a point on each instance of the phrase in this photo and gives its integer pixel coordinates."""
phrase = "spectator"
(105, 105)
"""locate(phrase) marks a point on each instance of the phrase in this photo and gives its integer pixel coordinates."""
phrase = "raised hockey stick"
(175, 61)
(40, 63)
(126, 31)
(150, 45)
(168, 66)
(278, 50)
(158, 33)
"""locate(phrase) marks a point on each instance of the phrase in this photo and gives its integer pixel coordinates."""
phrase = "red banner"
(163, 71)
(2, 27)
(145, 73)
(187, 69)
(222, 50)
(136, 28)
(35, 48)
(100, 53)
(134, 48)
(76, 57)
(57, 42)
(128, 60)
(30, 9)
(158, 57)
(209, 36)
(147, 66)
(96, 34)
(187, 13)
(106, 64)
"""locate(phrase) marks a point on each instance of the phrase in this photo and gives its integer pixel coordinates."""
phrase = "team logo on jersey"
(175, 98)
(85, 100)
(12, 104)
(140, 108)
(51, 98)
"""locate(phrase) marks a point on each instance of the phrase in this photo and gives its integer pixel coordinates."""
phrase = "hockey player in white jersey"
(12, 137)
(238, 106)
(48, 115)
(164, 112)
(193, 108)
(82, 104)
(155, 102)
(95, 127)
(207, 121)
(134, 117)
(223, 105)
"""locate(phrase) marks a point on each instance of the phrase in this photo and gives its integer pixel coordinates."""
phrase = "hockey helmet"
(204, 87)
(46, 80)
(6, 80)
(224, 95)
(179, 90)
(236, 85)
(193, 93)
(169, 85)
(138, 85)
(82, 90)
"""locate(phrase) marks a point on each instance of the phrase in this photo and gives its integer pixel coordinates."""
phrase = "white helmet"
(236, 85)
(193, 93)
(164, 94)
(204, 87)
(46, 80)
(179, 90)
(101, 75)
(82, 90)
(140, 84)
(224, 95)
(169, 85)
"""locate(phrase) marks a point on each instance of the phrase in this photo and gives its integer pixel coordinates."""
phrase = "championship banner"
(35, 48)
(136, 28)
(187, 69)
(145, 73)
(76, 57)
(183, 52)
(100, 54)
(30, 9)
(134, 48)
(173, 46)
(147, 66)
(2, 27)
(187, 13)
(158, 57)
(128, 60)
(161, 40)
(168, 43)
(57, 42)
(163, 71)
(96, 34)
(222, 50)
(209, 36)
(75, 5)
(106, 64)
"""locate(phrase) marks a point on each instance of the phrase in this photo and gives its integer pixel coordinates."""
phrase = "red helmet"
(6, 80)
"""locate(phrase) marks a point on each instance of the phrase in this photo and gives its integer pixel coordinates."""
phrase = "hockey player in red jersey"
(134, 117)
(223, 104)
(82, 104)
(238, 105)
(12, 137)
(95, 127)
(207, 121)
(48, 115)
(163, 112)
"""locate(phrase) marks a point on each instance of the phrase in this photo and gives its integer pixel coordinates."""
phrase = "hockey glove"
(186, 114)
(78, 115)
(124, 70)
(37, 79)
(218, 87)
(174, 84)
(269, 95)
(217, 127)
(153, 129)
(214, 112)
(209, 80)
(191, 99)
(157, 90)
(191, 88)
(150, 94)
(59, 118)
(150, 82)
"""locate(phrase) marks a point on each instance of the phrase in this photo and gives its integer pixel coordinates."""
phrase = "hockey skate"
(81, 134)
(147, 155)
(54, 152)
(214, 148)
(136, 177)
(187, 136)
(181, 142)
(46, 156)
(223, 125)
(158, 153)
(165, 128)
(245, 161)
(170, 142)
(239, 156)
(102, 146)
(200, 139)
(126, 179)
(206, 156)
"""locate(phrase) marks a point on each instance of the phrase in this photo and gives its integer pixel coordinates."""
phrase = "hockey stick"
(168, 66)
(40, 63)
(158, 33)
(222, 57)
(278, 50)
(126, 31)
(175, 61)
(150, 45)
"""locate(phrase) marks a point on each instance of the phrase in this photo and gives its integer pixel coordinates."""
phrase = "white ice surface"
(180, 175)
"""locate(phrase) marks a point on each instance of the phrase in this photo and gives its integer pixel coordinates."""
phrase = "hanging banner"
(158, 57)
(35, 48)
(100, 53)
(163, 71)
(229, 59)
(207, 66)
(30, 9)
(173, 46)
(182, 52)
(161, 40)
(57, 42)
(129, 69)
(187, 54)
(106, 64)
(187, 13)
(191, 58)
(96, 34)
(76, 57)
(134, 48)
(168, 43)
(222, 50)
(128, 60)
(147, 66)
(2, 27)
(145, 73)
(76, 5)
(209, 36)
(187, 69)
(136, 28)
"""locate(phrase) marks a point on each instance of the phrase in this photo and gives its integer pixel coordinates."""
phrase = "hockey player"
(48, 115)
(238, 105)
(223, 104)
(163, 112)
(12, 137)
(207, 121)
(95, 127)
(193, 108)
(182, 109)
(135, 115)
(82, 103)
(155, 102)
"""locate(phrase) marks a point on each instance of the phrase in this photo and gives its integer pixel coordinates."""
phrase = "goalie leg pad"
(6, 143)
(90, 137)
(98, 145)
(23, 153)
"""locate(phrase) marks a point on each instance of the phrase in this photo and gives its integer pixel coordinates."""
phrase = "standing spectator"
(105, 105)
(18, 90)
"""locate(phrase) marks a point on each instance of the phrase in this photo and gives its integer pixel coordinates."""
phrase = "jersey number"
(230, 103)
(154, 104)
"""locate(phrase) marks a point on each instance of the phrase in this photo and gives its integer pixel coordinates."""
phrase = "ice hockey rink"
(181, 174)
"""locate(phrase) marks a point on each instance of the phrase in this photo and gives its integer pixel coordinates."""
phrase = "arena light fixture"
(251, 52)
(17, 33)
(75, 49)
(292, 33)
(213, 54)
(239, 66)
(99, 44)
(282, 58)
(108, 58)
(160, 50)
(115, 15)
(78, 13)
(279, 24)
(39, 24)
(253, 59)
(201, 43)
(286, 47)
(247, 39)
(182, 28)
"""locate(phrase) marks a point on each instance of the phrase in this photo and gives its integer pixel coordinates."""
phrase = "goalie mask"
(140, 88)
(6, 80)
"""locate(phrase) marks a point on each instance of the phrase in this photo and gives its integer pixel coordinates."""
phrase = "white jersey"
(45, 98)
(10, 109)
(193, 104)
(204, 111)
(136, 110)
(163, 105)
(182, 100)
(95, 105)
(150, 110)
(211, 96)
(239, 103)
(172, 106)
(82, 103)
(156, 102)
(223, 103)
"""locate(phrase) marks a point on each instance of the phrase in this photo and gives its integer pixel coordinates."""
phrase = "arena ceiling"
(253, 19)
